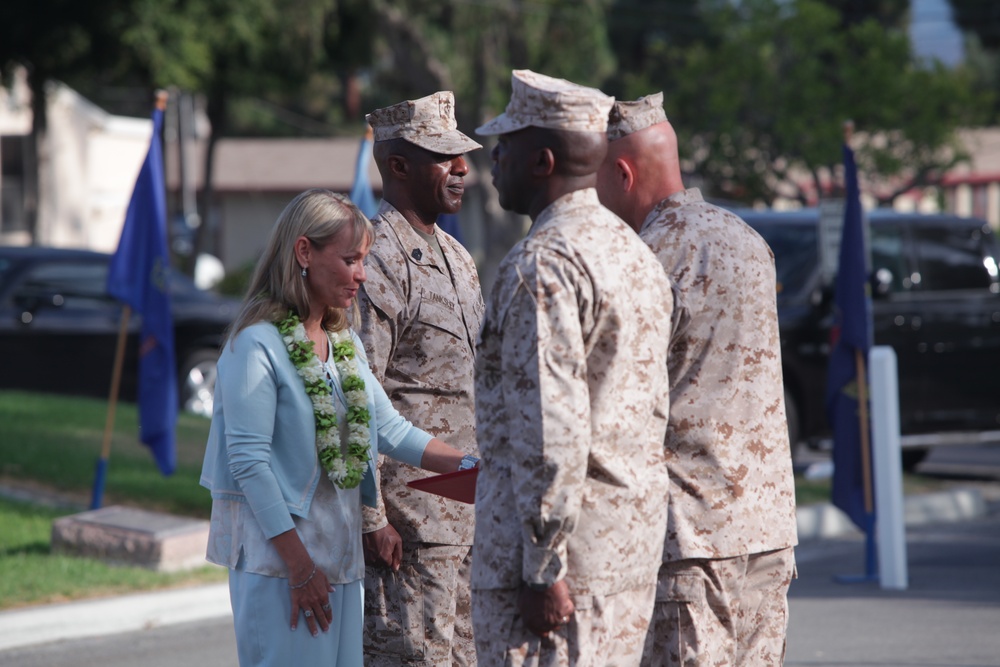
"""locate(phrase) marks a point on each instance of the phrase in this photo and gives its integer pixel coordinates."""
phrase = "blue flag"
(361, 190)
(852, 319)
(449, 223)
(139, 277)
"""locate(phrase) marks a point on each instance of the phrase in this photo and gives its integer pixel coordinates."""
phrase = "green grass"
(31, 574)
(51, 442)
(55, 441)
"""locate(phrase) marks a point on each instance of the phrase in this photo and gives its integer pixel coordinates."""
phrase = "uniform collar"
(417, 250)
(676, 200)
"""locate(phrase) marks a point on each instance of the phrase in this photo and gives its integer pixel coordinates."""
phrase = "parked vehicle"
(59, 328)
(935, 301)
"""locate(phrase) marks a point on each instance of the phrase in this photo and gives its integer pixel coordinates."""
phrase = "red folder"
(459, 485)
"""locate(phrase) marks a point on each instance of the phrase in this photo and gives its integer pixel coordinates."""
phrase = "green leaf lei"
(344, 470)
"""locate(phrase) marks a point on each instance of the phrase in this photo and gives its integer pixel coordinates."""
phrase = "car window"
(888, 263)
(795, 252)
(67, 284)
(950, 258)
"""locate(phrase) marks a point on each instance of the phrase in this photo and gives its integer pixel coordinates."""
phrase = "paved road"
(203, 644)
(948, 617)
(978, 461)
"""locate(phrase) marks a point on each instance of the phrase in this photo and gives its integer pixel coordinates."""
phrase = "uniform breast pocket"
(441, 317)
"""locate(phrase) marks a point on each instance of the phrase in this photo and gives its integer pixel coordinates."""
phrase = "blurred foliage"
(758, 89)
(762, 102)
(979, 17)
(236, 281)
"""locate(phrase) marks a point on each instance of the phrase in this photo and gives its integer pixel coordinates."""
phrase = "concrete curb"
(824, 521)
(91, 618)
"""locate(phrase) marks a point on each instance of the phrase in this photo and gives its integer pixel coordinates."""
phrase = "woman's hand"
(311, 599)
(307, 584)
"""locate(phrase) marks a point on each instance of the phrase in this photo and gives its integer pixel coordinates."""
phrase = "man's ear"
(544, 163)
(624, 174)
(399, 166)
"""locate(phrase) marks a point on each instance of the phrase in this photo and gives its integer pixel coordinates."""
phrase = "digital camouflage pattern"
(538, 100)
(721, 612)
(628, 117)
(731, 486)
(428, 122)
(419, 322)
(571, 407)
(421, 615)
(604, 631)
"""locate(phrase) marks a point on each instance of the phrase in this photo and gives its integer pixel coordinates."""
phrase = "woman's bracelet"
(307, 580)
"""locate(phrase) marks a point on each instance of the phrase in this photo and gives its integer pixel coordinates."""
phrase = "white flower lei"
(344, 470)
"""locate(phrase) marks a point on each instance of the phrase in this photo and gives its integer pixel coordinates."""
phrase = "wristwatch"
(468, 462)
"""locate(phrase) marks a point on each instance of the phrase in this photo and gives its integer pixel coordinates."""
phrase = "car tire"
(913, 456)
(196, 382)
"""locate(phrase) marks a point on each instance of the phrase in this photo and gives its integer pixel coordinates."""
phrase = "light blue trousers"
(262, 608)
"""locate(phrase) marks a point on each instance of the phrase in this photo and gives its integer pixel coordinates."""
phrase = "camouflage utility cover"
(571, 407)
(419, 322)
(731, 485)
(538, 100)
(428, 122)
(629, 117)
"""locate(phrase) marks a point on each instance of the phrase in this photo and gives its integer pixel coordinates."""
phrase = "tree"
(979, 17)
(470, 48)
(890, 14)
(760, 108)
(57, 39)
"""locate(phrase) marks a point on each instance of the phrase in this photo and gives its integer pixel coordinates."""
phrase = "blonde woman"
(298, 423)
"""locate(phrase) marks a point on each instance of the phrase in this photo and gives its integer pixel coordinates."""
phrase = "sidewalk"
(949, 615)
(829, 544)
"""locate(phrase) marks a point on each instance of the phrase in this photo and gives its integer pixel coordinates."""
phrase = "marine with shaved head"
(727, 559)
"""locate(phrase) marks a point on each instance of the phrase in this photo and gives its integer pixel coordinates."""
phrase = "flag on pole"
(139, 277)
(361, 190)
(853, 339)
(448, 222)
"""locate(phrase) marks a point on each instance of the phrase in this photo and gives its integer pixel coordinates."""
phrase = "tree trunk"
(39, 123)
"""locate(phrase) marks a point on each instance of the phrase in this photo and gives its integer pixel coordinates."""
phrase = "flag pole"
(100, 474)
(97, 495)
(865, 442)
(862, 393)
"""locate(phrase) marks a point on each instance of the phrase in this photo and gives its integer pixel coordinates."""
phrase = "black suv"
(58, 328)
(935, 301)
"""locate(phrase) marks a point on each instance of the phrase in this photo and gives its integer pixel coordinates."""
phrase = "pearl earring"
(304, 272)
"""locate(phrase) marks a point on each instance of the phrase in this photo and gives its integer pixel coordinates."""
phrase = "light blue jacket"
(262, 442)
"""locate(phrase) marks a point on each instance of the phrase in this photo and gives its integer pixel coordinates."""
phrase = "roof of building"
(276, 165)
(279, 165)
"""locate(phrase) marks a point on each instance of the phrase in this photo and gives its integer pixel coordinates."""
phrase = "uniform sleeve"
(396, 437)
(545, 385)
(249, 401)
(381, 304)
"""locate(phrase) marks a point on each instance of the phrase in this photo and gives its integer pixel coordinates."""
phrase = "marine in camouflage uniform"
(571, 402)
(727, 559)
(421, 310)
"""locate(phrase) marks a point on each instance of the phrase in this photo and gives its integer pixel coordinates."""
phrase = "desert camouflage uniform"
(731, 524)
(572, 401)
(420, 319)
